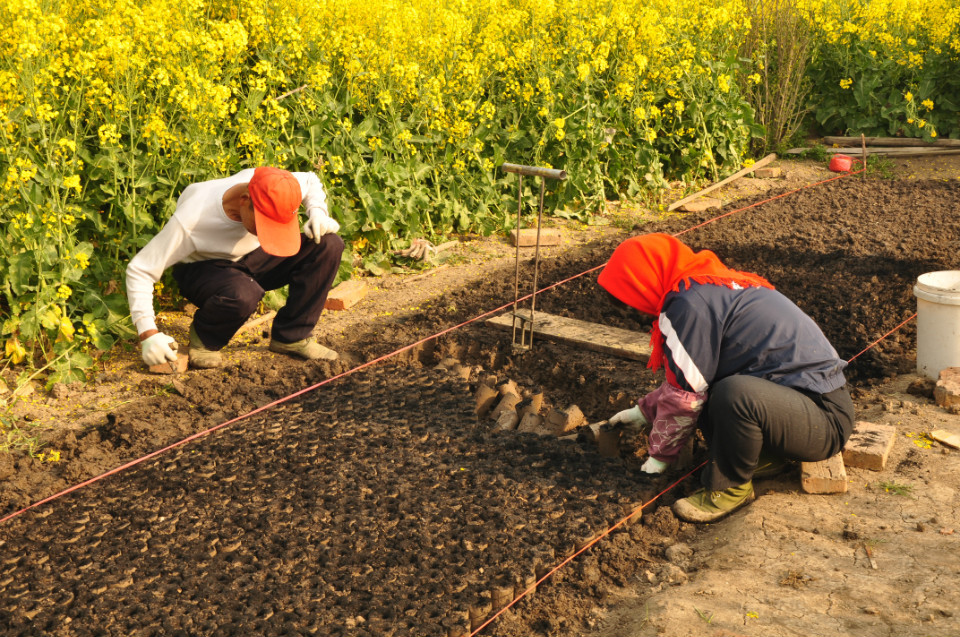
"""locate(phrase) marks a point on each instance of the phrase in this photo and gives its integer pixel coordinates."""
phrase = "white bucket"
(938, 322)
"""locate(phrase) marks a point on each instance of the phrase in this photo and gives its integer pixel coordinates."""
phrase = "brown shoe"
(307, 349)
(200, 356)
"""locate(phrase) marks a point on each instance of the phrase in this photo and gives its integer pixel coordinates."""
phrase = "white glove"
(652, 465)
(319, 224)
(633, 417)
(158, 348)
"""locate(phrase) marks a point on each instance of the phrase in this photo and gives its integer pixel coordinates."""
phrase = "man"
(229, 241)
(740, 359)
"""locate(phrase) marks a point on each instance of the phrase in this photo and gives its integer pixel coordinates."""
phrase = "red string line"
(556, 568)
(884, 336)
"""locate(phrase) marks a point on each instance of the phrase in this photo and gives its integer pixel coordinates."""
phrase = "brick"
(826, 476)
(507, 403)
(528, 237)
(530, 405)
(592, 431)
(946, 392)
(484, 399)
(507, 421)
(699, 205)
(608, 441)
(346, 295)
(178, 367)
(771, 172)
(508, 387)
(532, 424)
(869, 446)
(564, 421)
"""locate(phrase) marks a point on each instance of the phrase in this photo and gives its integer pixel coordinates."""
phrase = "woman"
(739, 357)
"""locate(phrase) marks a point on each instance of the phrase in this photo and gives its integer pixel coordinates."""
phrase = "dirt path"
(790, 564)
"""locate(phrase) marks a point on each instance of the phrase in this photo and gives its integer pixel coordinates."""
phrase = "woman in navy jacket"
(740, 359)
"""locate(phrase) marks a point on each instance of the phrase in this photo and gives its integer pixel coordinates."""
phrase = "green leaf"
(21, 269)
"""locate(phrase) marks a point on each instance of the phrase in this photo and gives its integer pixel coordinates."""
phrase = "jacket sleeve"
(673, 413)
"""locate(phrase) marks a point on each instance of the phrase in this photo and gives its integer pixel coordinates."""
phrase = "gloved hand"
(319, 224)
(633, 418)
(652, 465)
(419, 249)
(158, 348)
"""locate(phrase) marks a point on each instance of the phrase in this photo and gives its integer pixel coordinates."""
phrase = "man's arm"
(169, 246)
(319, 222)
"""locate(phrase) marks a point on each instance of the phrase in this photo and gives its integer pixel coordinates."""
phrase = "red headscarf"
(644, 269)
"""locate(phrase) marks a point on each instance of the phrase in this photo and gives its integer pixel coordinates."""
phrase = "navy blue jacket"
(712, 331)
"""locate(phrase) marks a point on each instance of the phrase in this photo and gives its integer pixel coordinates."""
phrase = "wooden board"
(890, 141)
(737, 175)
(592, 336)
(946, 438)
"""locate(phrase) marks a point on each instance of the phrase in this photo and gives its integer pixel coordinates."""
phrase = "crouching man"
(229, 241)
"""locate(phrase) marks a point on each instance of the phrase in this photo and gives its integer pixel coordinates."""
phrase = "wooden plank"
(886, 151)
(527, 237)
(737, 175)
(890, 141)
(592, 336)
(945, 437)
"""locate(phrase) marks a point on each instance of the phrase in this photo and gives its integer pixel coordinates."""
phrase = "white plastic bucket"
(938, 322)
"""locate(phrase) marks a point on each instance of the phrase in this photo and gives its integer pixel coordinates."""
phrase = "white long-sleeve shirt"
(199, 230)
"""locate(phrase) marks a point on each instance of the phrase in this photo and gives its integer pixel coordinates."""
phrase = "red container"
(841, 163)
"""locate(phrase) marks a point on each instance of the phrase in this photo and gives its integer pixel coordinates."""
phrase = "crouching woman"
(741, 360)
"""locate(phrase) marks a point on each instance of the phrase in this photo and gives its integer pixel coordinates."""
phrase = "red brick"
(699, 205)
(565, 421)
(507, 403)
(869, 446)
(507, 421)
(346, 295)
(532, 423)
(178, 367)
(946, 393)
(484, 399)
(826, 476)
(773, 172)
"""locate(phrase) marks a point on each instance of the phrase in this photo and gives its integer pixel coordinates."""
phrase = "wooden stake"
(863, 142)
(257, 321)
(737, 175)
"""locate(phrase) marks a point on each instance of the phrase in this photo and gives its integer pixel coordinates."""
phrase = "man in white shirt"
(229, 241)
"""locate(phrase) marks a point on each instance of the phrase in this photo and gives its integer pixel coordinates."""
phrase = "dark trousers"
(745, 413)
(227, 292)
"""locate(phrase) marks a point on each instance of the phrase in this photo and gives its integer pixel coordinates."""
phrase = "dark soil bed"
(381, 505)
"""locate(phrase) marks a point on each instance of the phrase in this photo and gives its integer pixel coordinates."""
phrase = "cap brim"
(278, 239)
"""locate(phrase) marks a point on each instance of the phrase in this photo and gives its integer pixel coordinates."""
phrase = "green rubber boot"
(307, 349)
(708, 506)
(200, 356)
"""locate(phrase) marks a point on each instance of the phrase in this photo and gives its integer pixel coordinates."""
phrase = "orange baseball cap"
(276, 196)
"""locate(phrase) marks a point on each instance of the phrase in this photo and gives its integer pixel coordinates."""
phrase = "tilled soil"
(380, 504)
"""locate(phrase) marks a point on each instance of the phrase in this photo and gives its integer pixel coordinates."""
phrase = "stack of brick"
(523, 410)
